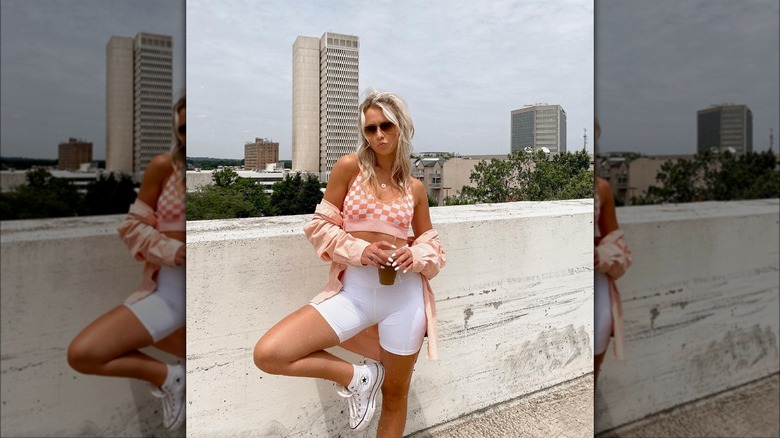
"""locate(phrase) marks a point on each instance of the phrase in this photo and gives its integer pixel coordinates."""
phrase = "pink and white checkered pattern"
(360, 205)
(171, 212)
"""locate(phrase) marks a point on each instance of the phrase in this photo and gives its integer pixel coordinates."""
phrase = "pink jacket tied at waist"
(147, 244)
(614, 258)
(333, 244)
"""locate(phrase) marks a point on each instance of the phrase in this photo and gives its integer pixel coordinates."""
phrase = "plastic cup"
(387, 275)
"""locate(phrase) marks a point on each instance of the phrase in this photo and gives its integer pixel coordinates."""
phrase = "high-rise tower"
(725, 126)
(539, 126)
(139, 97)
(325, 101)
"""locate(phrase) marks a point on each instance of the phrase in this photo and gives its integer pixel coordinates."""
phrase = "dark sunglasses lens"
(182, 129)
(386, 126)
(370, 129)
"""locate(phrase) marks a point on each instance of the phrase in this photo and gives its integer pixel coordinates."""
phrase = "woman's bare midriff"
(178, 235)
(373, 237)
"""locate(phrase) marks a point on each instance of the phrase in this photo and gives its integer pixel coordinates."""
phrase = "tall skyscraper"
(538, 126)
(73, 154)
(325, 101)
(260, 152)
(139, 97)
(725, 126)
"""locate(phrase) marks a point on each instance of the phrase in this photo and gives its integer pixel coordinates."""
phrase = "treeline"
(21, 163)
(47, 197)
(528, 176)
(711, 176)
(206, 163)
(233, 197)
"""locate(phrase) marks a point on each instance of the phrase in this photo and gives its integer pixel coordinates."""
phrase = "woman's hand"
(374, 254)
(401, 259)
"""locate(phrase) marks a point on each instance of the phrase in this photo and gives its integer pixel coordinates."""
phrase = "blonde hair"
(178, 150)
(394, 109)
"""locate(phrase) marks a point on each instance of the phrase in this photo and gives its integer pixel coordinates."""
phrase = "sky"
(461, 66)
(53, 57)
(658, 62)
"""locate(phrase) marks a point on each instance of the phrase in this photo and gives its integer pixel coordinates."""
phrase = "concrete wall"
(700, 304)
(514, 303)
(58, 275)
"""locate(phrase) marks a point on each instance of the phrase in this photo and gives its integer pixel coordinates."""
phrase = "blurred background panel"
(687, 99)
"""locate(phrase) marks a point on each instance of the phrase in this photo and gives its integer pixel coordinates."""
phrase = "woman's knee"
(81, 356)
(395, 397)
(267, 356)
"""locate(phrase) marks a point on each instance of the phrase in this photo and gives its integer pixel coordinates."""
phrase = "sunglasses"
(384, 126)
(182, 129)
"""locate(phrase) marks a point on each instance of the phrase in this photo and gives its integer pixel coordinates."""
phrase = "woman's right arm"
(325, 231)
(607, 216)
(138, 230)
(345, 169)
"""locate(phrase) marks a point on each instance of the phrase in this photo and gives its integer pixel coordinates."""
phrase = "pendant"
(383, 185)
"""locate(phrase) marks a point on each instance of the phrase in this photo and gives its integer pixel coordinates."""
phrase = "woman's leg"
(109, 347)
(175, 343)
(295, 347)
(395, 392)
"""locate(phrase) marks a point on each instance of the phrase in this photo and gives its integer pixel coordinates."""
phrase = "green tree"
(712, 176)
(565, 176)
(296, 195)
(42, 197)
(109, 194)
(255, 194)
(213, 202)
(527, 176)
(225, 177)
(432, 202)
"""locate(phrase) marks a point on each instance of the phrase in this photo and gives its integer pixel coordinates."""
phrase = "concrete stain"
(553, 349)
(740, 349)
(653, 315)
(467, 314)
(495, 304)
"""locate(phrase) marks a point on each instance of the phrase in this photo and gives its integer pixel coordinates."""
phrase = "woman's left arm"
(425, 255)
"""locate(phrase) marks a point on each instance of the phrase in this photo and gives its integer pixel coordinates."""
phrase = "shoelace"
(353, 409)
(353, 405)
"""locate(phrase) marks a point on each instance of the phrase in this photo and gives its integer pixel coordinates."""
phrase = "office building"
(725, 126)
(259, 153)
(538, 126)
(325, 101)
(139, 100)
(73, 154)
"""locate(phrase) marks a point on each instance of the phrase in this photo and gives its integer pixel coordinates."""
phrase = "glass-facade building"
(537, 127)
(724, 126)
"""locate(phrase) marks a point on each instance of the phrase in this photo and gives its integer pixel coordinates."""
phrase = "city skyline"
(660, 62)
(461, 70)
(53, 83)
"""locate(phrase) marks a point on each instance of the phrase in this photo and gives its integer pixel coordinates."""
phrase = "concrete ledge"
(58, 275)
(514, 303)
(700, 303)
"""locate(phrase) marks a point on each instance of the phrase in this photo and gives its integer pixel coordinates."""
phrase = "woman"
(154, 315)
(612, 258)
(370, 202)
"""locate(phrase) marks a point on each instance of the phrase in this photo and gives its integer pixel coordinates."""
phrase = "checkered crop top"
(363, 211)
(171, 213)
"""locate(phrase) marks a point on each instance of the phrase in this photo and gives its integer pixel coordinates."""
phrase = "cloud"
(461, 67)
